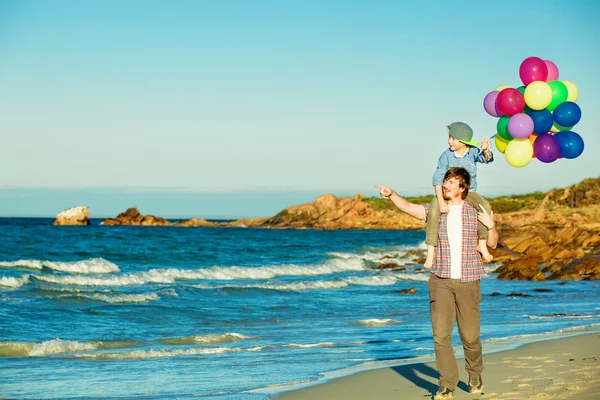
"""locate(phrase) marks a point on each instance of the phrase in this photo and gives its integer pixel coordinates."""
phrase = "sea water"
(233, 313)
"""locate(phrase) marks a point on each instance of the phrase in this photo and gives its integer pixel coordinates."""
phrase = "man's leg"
(442, 308)
(468, 297)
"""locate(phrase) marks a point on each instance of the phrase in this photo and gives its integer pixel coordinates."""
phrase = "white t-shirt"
(454, 231)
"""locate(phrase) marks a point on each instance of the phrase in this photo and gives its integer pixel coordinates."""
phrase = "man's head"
(459, 132)
(456, 183)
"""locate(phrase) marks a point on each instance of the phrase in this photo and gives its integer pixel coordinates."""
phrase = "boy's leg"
(433, 218)
(475, 199)
(431, 232)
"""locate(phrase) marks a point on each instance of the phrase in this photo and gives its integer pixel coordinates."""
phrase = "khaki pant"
(431, 230)
(451, 299)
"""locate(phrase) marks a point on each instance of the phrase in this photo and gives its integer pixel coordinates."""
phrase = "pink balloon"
(533, 69)
(510, 101)
(520, 126)
(489, 104)
(552, 71)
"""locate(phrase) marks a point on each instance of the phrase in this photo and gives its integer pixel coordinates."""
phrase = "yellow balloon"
(538, 95)
(500, 143)
(572, 90)
(499, 88)
(519, 152)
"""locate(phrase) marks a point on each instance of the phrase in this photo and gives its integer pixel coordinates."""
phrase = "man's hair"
(462, 176)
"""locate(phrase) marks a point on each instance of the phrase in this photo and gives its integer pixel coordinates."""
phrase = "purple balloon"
(489, 104)
(520, 126)
(546, 148)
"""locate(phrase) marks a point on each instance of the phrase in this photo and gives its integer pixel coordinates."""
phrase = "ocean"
(233, 313)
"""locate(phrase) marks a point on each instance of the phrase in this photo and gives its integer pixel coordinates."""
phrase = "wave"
(89, 266)
(205, 339)
(11, 282)
(374, 322)
(558, 315)
(113, 298)
(170, 275)
(57, 346)
(156, 353)
(310, 345)
(377, 280)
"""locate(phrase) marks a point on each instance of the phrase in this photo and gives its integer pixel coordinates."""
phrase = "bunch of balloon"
(535, 119)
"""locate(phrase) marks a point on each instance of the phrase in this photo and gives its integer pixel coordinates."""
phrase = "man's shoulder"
(468, 207)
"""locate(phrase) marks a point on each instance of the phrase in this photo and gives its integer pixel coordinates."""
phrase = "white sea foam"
(559, 315)
(310, 345)
(156, 353)
(116, 298)
(57, 346)
(374, 322)
(376, 280)
(11, 282)
(379, 255)
(206, 339)
(88, 266)
(169, 275)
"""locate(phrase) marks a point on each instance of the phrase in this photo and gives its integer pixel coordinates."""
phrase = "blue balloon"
(571, 144)
(542, 120)
(567, 113)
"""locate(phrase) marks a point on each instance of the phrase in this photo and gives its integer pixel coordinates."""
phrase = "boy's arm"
(442, 166)
(439, 194)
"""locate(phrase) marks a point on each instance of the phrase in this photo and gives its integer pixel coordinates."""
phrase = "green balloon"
(559, 94)
(521, 89)
(502, 128)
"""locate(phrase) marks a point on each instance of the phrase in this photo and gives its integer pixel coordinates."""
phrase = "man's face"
(451, 189)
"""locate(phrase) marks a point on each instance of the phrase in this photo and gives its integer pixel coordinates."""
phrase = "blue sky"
(241, 108)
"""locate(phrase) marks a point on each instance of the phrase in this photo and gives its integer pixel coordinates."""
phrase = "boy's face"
(455, 144)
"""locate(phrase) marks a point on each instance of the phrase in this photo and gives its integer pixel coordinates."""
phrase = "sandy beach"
(553, 369)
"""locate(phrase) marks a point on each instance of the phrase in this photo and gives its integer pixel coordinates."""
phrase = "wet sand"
(553, 369)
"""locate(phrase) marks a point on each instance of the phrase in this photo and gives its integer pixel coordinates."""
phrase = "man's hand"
(385, 191)
(485, 218)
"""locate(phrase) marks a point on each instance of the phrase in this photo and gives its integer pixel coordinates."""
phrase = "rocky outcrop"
(330, 212)
(544, 250)
(79, 215)
(132, 216)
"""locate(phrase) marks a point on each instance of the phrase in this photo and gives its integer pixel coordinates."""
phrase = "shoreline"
(559, 368)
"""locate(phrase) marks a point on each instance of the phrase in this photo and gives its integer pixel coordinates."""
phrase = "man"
(454, 283)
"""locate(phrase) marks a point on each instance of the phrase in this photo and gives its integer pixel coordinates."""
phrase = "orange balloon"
(532, 138)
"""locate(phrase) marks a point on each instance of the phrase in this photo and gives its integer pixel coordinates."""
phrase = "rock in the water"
(79, 215)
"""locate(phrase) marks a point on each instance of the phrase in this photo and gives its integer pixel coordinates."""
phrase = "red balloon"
(533, 69)
(510, 101)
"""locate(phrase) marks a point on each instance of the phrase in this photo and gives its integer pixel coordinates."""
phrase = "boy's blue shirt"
(469, 161)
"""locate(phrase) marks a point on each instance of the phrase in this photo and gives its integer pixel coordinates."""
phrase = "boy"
(462, 152)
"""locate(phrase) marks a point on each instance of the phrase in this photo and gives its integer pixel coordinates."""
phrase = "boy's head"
(462, 177)
(463, 133)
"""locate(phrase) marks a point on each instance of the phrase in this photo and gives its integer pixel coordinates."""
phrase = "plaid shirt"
(471, 266)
